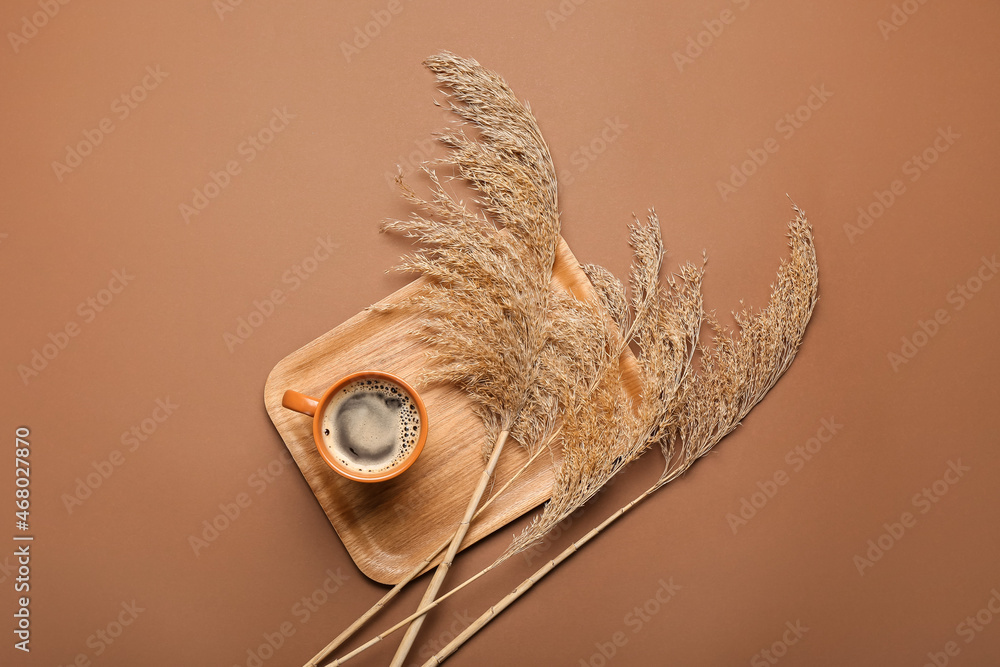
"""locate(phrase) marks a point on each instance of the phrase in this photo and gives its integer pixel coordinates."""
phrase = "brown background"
(325, 174)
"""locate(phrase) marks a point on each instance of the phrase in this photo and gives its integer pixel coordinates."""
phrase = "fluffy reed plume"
(486, 305)
(603, 428)
(734, 375)
(489, 315)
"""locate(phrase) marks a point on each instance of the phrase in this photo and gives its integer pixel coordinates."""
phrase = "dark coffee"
(371, 425)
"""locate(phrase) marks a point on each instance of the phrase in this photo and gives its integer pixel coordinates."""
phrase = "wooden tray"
(389, 527)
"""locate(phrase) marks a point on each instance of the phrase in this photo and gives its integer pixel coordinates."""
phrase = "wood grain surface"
(389, 527)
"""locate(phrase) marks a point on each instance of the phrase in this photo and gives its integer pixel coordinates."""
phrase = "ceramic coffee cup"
(369, 426)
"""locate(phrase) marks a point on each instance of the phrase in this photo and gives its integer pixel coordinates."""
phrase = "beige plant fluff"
(487, 307)
(489, 312)
(603, 428)
(494, 326)
(735, 372)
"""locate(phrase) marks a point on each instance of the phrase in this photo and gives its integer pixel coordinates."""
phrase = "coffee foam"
(371, 425)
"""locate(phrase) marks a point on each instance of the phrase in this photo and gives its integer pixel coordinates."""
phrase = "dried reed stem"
(413, 574)
(411, 618)
(424, 608)
(525, 585)
(520, 590)
(442, 569)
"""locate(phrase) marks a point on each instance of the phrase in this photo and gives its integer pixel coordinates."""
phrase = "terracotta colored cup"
(315, 407)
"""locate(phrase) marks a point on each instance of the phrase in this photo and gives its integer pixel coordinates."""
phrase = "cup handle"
(293, 400)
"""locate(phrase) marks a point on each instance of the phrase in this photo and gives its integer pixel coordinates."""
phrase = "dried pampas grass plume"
(487, 304)
(604, 429)
(488, 311)
(735, 374)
